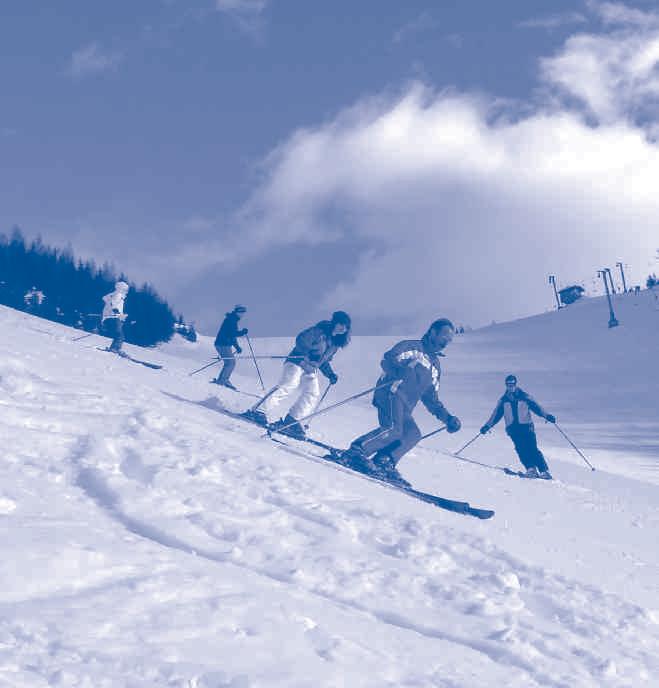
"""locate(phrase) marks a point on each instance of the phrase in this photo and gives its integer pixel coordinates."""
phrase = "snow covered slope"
(151, 540)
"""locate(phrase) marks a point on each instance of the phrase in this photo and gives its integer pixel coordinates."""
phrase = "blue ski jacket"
(415, 372)
(228, 333)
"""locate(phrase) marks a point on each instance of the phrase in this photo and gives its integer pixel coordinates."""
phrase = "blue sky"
(399, 160)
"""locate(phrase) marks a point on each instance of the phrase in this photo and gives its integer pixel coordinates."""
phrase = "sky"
(402, 161)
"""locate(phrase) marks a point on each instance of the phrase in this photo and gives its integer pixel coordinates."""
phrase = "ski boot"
(290, 427)
(545, 475)
(355, 459)
(256, 416)
(532, 472)
(228, 385)
(386, 469)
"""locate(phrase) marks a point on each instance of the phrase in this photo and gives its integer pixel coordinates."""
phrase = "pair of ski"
(522, 474)
(333, 455)
(123, 354)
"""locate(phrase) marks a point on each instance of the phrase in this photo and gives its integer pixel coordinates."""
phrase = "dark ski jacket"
(516, 411)
(315, 347)
(228, 333)
(419, 370)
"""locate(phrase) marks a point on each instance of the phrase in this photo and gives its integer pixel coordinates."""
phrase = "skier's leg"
(534, 453)
(517, 435)
(229, 361)
(409, 440)
(114, 328)
(391, 415)
(289, 382)
(309, 396)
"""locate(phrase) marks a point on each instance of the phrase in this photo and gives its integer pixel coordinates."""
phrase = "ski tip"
(483, 514)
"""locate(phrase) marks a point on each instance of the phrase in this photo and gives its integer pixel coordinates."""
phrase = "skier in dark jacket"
(515, 408)
(314, 349)
(411, 374)
(225, 343)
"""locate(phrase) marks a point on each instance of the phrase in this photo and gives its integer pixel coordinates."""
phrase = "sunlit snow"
(150, 540)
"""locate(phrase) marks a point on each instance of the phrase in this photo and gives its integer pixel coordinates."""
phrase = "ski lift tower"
(552, 280)
(622, 274)
(612, 318)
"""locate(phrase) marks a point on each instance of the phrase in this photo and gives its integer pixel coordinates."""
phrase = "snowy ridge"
(156, 542)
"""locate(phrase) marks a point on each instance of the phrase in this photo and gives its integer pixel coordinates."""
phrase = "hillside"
(155, 541)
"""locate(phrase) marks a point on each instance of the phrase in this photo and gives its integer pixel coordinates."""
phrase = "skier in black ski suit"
(515, 407)
(226, 341)
(411, 373)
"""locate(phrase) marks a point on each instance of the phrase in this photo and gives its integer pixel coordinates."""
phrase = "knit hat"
(121, 286)
(511, 378)
(341, 318)
(239, 309)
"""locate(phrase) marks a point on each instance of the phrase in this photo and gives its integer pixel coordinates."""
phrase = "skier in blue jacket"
(411, 373)
(515, 407)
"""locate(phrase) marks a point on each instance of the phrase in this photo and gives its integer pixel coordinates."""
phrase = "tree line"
(52, 284)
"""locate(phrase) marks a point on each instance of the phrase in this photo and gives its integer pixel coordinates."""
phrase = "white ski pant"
(293, 378)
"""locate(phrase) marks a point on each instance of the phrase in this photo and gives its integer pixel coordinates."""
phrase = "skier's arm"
(496, 416)
(307, 344)
(535, 407)
(391, 364)
(435, 406)
(328, 372)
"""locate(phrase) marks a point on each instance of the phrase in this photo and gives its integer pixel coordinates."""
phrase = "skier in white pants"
(314, 349)
(113, 316)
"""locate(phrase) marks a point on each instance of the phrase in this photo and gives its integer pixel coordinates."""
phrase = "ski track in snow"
(159, 543)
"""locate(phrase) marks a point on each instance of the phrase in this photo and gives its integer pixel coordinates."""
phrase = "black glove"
(453, 424)
(485, 428)
(115, 310)
(238, 349)
(550, 418)
(243, 332)
(333, 378)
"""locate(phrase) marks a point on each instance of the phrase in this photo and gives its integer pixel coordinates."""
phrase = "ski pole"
(592, 468)
(457, 453)
(213, 362)
(262, 399)
(273, 358)
(84, 336)
(327, 389)
(333, 406)
(256, 365)
(430, 434)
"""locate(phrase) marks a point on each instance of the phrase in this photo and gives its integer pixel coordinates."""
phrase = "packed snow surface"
(151, 540)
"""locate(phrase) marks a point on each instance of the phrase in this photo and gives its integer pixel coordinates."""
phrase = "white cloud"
(554, 21)
(422, 23)
(467, 203)
(615, 75)
(619, 14)
(247, 13)
(246, 6)
(91, 59)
